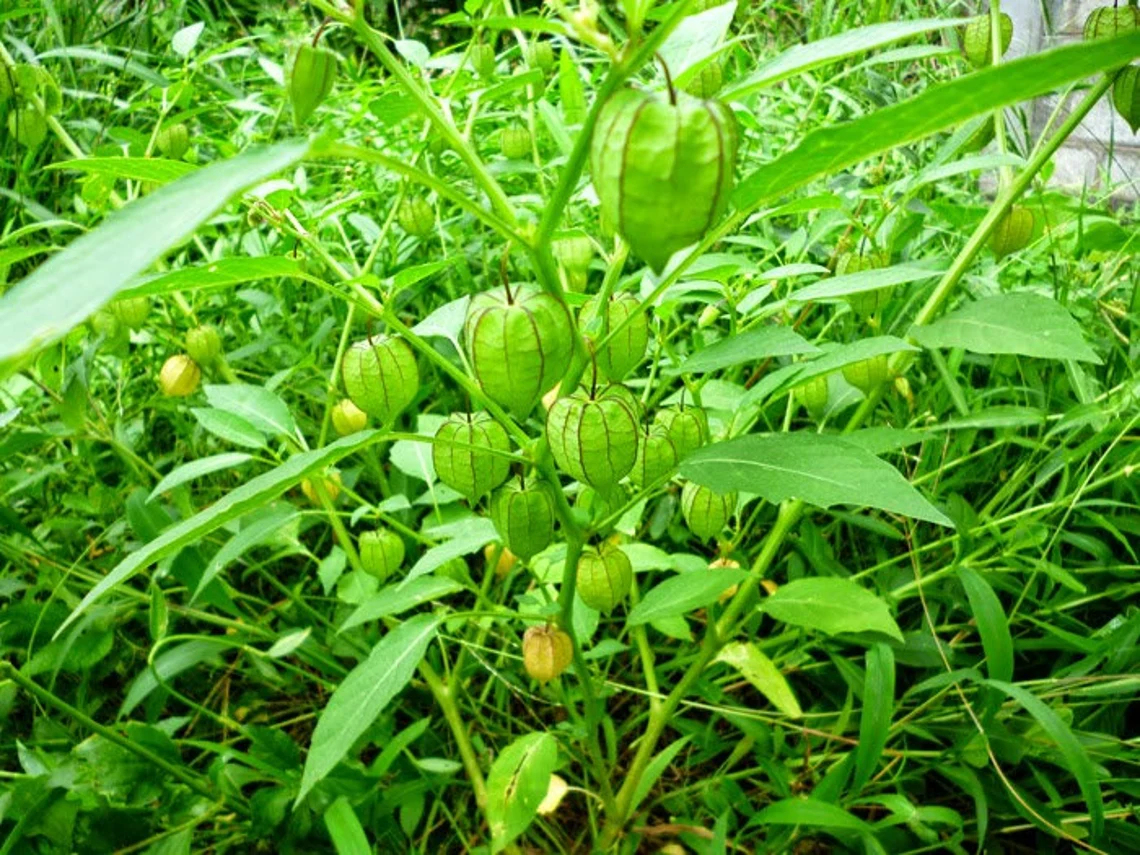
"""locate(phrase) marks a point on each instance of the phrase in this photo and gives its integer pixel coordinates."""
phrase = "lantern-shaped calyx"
(519, 343)
(593, 436)
(662, 166)
(381, 376)
(706, 512)
(624, 351)
(547, 652)
(604, 576)
(381, 552)
(462, 454)
(688, 427)
(523, 515)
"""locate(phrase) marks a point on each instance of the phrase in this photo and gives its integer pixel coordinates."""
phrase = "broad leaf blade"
(367, 689)
(1021, 323)
(755, 667)
(69, 286)
(682, 593)
(753, 344)
(878, 709)
(821, 470)
(517, 784)
(831, 605)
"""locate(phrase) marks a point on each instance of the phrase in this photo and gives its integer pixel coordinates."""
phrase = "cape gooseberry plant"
(593, 435)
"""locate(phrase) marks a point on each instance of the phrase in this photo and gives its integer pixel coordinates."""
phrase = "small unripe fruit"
(27, 126)
(980, 138)
(813, 396)
(656, 457)
(593, 438)
(519, 345)
(310, 80)
(204, 344)
(709, 315)
(523, 515)
(330, 483)
(625, 350)
(708, 82)
(347, 418)
(688, 427)
(605, 576)
(1108, 22)
(132, 312)
(381, 376)
(514, 142)
(867, 374)
(1012, 232)
(575, 253)
(547, 652)
(173, 141)
(977, 46)
(1126, 96)
(483, 60)
(540, 55)
(469, 471)
(706, 512)
(865, 303)
(381, 552)
(179, 377)
(416, 216)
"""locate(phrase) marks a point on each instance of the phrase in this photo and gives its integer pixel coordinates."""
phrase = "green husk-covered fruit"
(540, 55)
(514, 142)
(310, 80)
(625, 350)
(593, 437)
(688, 427)
(132, 312)
(706, 512)
(867, 374)
(173, 141)
(656, 457)
(179, 376)
(483, 60)
(1013, 231)
(347, 418)
(471, 471)
(605, 576)
(1108, 22)
(1126, 96)
(27, 126)
(547, 652)
(575, 254)
(416, 216)
(204, 344)
(381, 552)
(864, 303)
(662, 170)
(381, 376)
(977, 45)
(813, 396)
(519, 345)
(523, 515)
(707, 82)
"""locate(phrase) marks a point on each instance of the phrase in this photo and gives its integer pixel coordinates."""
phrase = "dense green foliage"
(824, 530)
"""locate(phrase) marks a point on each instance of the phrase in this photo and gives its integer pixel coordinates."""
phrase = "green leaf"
(172, 662)
(656, 768)
(1022, 323)
(344, 827)
(1076, 760)
(255, 404)
(223, 273)
(753, 344)
(516, 785)
(196, 469)
(362, 696)
(254, 534)
(755, 667)
(819, 469)
(69, 286)
(878, 709)
(866, 280)
(476, 534)
(229, 427)
(821, 52)
(398, 597)
(684, 592)
(249, 496)
(122, 63)
(810, 812)
(993, 626)
(938, 108)
(831, 605)
(133, 168)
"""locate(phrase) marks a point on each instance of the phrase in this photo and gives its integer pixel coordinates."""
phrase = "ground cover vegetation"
(629, 427)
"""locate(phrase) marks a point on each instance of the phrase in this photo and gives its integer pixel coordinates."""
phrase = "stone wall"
(1103, 148)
